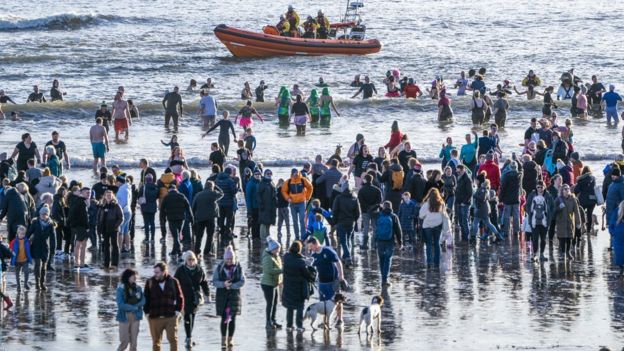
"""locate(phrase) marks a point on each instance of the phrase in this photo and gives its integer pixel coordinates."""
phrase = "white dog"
(372, 314)
(325, 308)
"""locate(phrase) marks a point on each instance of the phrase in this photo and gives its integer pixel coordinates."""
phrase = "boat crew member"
(283, 26)
(293, 19)
(322, 30)
(309, 28)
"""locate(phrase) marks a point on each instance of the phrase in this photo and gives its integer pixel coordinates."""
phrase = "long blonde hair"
(435, 201)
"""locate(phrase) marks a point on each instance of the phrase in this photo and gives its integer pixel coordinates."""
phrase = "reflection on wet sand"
(482, 297)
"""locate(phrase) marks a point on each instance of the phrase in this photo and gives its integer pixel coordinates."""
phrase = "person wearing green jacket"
(271, 280)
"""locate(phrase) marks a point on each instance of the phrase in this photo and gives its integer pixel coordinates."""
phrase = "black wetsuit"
(367, 89)
(36, 97)
(5, 98)
(260, 92)
(55, 94)
(106, 117)
(224, 133)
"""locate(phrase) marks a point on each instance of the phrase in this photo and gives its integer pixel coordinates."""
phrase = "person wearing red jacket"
(490, 167)
(395, 137)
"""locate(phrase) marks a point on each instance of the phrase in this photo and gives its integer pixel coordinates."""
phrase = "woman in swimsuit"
(326, 101)
(246, 113)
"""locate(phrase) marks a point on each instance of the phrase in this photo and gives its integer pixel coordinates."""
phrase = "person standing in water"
(207, 108)
(326, 101)
(301, 115)
(260, 91)
(36, 95)
(461, 84)
(611, 101)
(55, 93)
(313, 106)
(246, 93)
(105, 115)
(171, 102)
(367, 88)
(445, 112)
(121, 116)
(225, 126)
(283, 102)
(246, 114)
(99, 144)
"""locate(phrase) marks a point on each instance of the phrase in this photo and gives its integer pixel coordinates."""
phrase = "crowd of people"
(479, 194)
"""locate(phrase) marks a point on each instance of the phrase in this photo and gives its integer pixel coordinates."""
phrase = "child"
(316, 229)
(173, 143)
(407, 214)
(283, 214)
(20, 246)
(315, 207)
(250, 140)
(5, 253)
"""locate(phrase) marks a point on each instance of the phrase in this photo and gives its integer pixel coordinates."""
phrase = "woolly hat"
(272, 244)
(44, 210)
(229, 253)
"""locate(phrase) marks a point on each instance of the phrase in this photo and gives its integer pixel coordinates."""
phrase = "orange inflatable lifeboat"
(242, 43)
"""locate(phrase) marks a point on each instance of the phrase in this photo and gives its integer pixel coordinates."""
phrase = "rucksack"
(549, 163)
(384, 227)
(397, 180)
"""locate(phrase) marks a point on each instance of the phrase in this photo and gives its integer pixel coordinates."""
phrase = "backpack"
(549, 163)
(384, 227)
(397, 180)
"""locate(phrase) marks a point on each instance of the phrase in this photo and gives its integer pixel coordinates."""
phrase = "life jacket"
(322, 21)
(309, 26)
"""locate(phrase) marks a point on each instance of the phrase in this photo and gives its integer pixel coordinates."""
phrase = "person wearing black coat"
(560, 148)
(58, 214)
(370, 198)
(176, 208)
(18, 207)
(531, 173)
(510, 192)
(78, 222)
(296, 285)
(391, 193)
(191, 278)
(226, 203)
(267, 204)
(149, 193)
(145, 171)
(345, 212)
(205, 212)
(463, 200)
(42, 239)
(110, 218)
(586, 194)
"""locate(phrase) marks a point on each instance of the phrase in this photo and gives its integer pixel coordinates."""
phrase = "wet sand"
(486, 297)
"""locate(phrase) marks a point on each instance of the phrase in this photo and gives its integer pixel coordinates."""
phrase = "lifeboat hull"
(242, 43)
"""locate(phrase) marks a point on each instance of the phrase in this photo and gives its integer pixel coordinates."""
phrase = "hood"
(386, 211)
(167, 178)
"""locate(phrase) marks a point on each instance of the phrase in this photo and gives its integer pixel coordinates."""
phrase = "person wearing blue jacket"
(226, 204)
(186, 188)
(130, 302)
(20, 246)
(615, 195)
(251, 201)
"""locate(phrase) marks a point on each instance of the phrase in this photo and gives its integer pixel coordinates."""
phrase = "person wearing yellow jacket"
(309, 28)
(323, 25)
(283, 26)
(297, 191)
(293, 19)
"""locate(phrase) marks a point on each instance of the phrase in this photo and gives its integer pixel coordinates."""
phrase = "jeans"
(176, 228)
(111, 248)
(510, 211)
(150, 225)
(299, 317)
(186, 234)
(564, 245)
(270, 296)
(450, 204)
(612, 112)
(486, 222)
(93, 235)
(345, 235)
(40, 270)
(199, 228)
(432, 239)
(385, 249)
(539, 235)
(369, 222)
(298, 216)
(255, 222)
(283, 217)
(462, 216)
(125, 225)
(189, 323)
(589, 211)
(163, 225)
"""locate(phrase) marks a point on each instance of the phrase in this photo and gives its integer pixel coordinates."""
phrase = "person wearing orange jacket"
(297, 191)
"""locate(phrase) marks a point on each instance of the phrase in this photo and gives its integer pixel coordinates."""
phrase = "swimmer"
(192, 85)
(36, 95)
(246, 114)
(134, 110)
(445, 112)
(314, 106)
(391, 87)
(225, 126)
(173, 142)
(121, 117)
(283, 102)
(296, 91)
(5, 98)
(99, 144)
(208, 84)
(356, 83)
(326, 101)
(55, 93)
(367, 88)
(246, 93)
(412, 91)
(171, 102)
(321, 83)
(301, 115)
(530, 93)
(260, 91)
(461, 84)
(105, 114)
(207, 108)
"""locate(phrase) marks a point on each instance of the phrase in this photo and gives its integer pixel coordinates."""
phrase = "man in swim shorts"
(99, 143)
